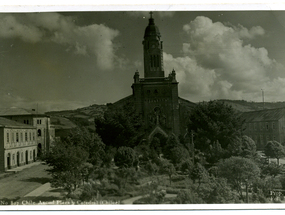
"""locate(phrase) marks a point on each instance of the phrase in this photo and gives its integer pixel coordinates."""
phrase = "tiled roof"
(12, 124)
(16, 111)
(263, 115)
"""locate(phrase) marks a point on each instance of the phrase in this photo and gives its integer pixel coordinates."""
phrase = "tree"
(67, 165)
(188, 197)
(89, 142)
(275, 150)
(199, 173)
(238, 171)
(263, 187)
(151, 168)
(125, 157)
(125, 175)
(216, 191)
(120, 126)
(214, 122)
(175, 151)
(96, 149)
(167, 168)
(271, 169)
(186, 166)
(243, 147)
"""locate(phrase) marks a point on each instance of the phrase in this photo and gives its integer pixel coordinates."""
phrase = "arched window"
(39, 132)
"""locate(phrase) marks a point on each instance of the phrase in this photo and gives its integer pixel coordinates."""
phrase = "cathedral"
(156, 96)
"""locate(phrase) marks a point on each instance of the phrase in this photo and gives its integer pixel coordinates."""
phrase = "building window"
(39, 132)
(24, 121)
(28, 122)
(26, 136)
(30, 136)
(8, 137)
(17, 137)
(13, 137)
(39, 121)
(33, 135)
(21, 136)
(267, 126)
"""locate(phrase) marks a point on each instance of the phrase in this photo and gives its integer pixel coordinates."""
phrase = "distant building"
(265, 125)
(45, 133)
(18, 144)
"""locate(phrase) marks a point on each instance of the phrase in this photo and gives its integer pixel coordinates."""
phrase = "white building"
(45, 133)
(18, 144)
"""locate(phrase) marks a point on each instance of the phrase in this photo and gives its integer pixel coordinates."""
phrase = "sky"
(68, 60)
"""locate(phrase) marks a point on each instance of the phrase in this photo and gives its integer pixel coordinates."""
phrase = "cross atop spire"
(151, 14)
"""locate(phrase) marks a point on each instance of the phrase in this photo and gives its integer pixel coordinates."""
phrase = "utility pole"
(263, 98)
(193, 146)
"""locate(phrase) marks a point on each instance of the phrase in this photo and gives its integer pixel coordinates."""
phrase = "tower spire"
(153, 51)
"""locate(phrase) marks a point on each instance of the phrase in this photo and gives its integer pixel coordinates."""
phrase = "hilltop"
(245, 106)
(68, 119)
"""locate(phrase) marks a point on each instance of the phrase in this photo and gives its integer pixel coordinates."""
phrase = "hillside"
(68, 119)
(245, 106)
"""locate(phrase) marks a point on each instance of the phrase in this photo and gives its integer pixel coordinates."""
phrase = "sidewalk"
(39, 191)
(18, 169)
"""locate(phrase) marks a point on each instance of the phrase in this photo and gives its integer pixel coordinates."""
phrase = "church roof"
(151, 30)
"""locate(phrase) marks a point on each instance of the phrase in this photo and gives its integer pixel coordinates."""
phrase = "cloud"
(193, 79)
(11, 27)
(91, 40)
(217, 62)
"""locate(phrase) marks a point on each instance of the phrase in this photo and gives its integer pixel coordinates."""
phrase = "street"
(21, 183)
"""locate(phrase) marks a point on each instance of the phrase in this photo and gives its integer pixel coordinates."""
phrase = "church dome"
(151, 30)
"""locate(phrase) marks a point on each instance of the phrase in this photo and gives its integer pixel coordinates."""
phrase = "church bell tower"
(153, 51)
(156, 96)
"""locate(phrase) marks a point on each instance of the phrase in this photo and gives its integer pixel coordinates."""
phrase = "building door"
(8, 161)
(39, 149)
(18, 159)
(27, 157)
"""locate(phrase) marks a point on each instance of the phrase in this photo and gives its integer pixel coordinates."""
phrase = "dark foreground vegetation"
(214, 163)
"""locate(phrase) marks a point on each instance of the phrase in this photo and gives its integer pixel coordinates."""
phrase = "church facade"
(156, 95)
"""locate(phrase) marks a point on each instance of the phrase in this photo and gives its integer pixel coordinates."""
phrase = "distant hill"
(67, 119)
(245, 106)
